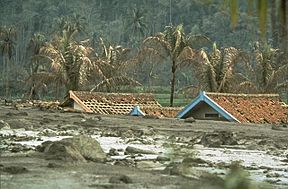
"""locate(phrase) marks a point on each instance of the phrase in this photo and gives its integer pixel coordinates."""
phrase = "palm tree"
(137, 24)
(218, 72)
(110, 66)
(262, 72)
(7, 45)
(173, 43)
(72, 25)
(69, 60)
(37, 41)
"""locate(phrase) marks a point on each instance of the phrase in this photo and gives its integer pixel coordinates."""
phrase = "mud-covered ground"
(140, 152)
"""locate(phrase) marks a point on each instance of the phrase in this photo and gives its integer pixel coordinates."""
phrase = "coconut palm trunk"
(7, 94)
(173, 81)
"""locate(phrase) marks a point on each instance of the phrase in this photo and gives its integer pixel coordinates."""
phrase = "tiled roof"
(169, 112)
(112, 103)
(254, 108)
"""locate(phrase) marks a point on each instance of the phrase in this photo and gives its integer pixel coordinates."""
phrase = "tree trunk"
(173, 80)
(283, 25)
(274, 23)
(7, 78)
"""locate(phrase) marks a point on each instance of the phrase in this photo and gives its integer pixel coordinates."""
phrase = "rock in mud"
(127, 133)
(113, 152)
(20, 124)
(15, 148)
(65, 151)
(15, 169)
(273, 175)
(48, 132)
(125, 162)
(218, 138)
(189, 120)
(133, 150)
(110, 133)
(193, 161)
(173, 169)
(120, 179)
(54, 165)
(79, 148)
(88, 147)
(162, 158)
(69, 127)
(10, 114)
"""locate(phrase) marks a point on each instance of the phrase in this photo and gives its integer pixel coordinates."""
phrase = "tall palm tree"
(174, 45)
(7, 47)
(68, 60)
(137, 24)
(36, 43)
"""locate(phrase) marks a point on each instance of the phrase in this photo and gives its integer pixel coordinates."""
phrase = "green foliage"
(125, 24)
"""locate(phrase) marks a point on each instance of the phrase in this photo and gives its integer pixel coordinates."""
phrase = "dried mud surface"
(22, 166)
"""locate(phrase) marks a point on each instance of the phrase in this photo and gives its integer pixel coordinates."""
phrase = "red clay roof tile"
(255, 108)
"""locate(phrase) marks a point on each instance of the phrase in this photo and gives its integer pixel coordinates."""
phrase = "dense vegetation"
(50, 47)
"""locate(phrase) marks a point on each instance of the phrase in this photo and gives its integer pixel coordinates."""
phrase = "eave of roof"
(203, 97)
(79, 102)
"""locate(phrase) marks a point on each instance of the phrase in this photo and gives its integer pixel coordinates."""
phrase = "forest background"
(173, 48)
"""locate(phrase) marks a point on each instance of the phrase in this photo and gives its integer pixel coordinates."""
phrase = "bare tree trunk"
(7, 78)
(274, 23)
(3, 75)
(283, 25)
(173, 80)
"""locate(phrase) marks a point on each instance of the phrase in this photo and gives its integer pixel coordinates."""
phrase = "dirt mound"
(61, 150)
(79, 148)
(88, 147)
(15, 170)
(219, 138)
(120, 179)
(133, 150)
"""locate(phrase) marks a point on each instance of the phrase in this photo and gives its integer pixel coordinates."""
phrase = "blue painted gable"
(202, 97)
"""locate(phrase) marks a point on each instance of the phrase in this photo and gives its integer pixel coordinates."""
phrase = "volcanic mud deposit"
(52, 149)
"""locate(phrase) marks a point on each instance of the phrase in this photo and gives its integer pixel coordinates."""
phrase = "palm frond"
(115, 81)
(248, 87)
(162, 46)
(198, 41)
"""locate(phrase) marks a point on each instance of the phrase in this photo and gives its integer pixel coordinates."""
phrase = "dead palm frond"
(173, 45)
(217, 71)
(109, 83)
(110, 66)
(261, 71)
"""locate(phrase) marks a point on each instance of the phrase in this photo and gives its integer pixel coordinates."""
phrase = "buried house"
(241, 108)
(110, 103)
(118, 103)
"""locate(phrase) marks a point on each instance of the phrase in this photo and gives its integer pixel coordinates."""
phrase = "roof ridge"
(112, 93)
(241, 94)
